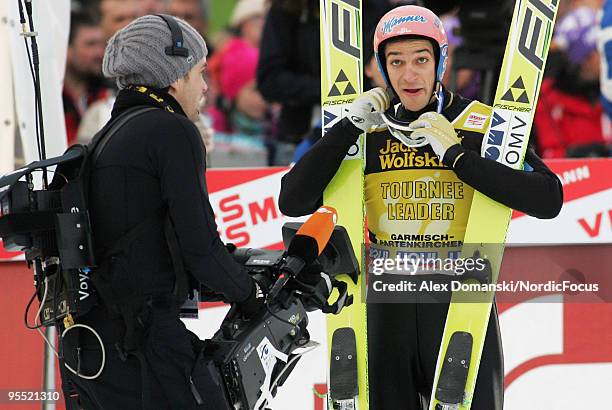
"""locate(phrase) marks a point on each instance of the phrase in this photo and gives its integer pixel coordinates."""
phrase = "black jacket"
(156, 161)
(289, 69)
(289, 66)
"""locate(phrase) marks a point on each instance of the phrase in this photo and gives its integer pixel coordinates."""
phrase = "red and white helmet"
(411, 21)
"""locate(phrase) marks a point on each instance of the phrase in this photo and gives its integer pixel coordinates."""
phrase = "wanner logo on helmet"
(389, 25)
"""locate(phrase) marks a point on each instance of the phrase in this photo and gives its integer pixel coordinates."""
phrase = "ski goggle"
(400, 129)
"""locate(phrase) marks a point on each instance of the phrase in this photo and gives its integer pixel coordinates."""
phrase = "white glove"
(365, 112)
(438, 131)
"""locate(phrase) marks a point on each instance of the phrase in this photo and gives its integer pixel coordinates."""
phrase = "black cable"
(27, 311)
(21, 16)
(31, 65)
(37, 93)
(22, 20)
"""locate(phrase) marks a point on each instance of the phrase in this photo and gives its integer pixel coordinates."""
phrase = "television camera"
(247, 360)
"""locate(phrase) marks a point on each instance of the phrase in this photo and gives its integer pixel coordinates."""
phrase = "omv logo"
(496, 136)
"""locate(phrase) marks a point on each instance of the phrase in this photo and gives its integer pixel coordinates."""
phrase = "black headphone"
(176, 49)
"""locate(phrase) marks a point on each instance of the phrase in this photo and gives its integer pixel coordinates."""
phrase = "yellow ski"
(341, 83)
(506, 142)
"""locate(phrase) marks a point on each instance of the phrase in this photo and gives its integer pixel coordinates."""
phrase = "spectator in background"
(151, 6)
(289, 67)
(570, 120)
(556, 57)
(83, 81)
(244, 109)
(248, 19)
(605, 50)
(116, 14)
(194, 12)
(250, 112)
(465, 81)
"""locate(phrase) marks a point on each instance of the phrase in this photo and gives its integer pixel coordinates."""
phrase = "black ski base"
(451, 384)
(343, 383)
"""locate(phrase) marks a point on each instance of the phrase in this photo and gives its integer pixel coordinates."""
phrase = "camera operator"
(148, 177)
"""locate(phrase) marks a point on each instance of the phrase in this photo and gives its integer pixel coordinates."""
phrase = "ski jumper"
(414, 200)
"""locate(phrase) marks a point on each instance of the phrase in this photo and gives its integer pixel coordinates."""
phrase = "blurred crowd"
(264, 74)
(570, 120)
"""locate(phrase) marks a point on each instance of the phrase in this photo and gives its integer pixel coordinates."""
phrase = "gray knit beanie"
(136, 55)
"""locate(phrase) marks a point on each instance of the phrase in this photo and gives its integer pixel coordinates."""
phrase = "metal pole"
(49, 367)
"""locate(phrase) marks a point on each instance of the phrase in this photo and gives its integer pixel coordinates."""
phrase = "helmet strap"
(439, 94)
